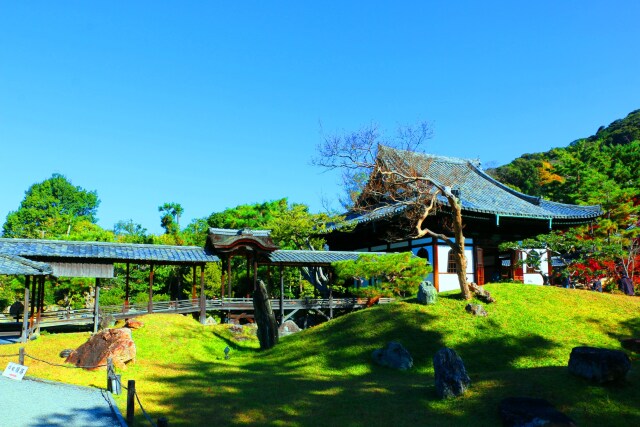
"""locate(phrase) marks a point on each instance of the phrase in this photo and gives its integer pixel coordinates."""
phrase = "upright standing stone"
(427, 293)
(451, 376)
(265, 319)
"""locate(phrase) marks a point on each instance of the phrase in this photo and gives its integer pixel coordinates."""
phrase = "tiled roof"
(103, 251)
(14, 265)
(478, 192)
(283, 256)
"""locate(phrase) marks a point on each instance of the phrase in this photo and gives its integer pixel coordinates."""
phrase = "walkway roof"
(104, 252)
(11, 265)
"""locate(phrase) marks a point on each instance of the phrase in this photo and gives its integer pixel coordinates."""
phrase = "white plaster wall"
(536, 278)
(449, 281)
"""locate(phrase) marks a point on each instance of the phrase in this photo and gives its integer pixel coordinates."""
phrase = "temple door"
(479, 266)
(518, 271)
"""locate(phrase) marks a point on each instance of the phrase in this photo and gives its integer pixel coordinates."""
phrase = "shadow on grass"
(324, 376)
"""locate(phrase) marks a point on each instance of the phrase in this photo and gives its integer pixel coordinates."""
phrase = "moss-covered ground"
(323, 376)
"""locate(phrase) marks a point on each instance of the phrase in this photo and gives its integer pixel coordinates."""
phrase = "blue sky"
(212, 104)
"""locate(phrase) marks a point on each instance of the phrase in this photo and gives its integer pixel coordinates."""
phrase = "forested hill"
(595, 170)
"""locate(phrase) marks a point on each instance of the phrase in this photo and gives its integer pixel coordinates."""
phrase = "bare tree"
(380, 174)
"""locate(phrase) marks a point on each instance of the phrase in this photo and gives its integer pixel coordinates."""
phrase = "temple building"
(492, 213)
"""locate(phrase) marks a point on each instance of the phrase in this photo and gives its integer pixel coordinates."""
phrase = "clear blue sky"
(212, 104)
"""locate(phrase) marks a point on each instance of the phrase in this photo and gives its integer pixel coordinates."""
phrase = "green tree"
(51, 209)
(397, 274)
(170, 219)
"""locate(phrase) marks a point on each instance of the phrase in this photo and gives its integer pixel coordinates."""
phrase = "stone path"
(37, 403)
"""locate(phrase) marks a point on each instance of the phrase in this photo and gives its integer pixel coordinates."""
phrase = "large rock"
(116, 344)
(265, 319)
(288, 328)
(476, 310)
(450, 375)
(599, 365)
(393, 355)
(427, 293)
(529, 412)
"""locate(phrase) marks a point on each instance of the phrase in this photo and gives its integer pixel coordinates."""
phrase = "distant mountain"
(587, 170)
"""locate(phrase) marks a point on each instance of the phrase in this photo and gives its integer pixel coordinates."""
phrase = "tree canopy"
(51, 209)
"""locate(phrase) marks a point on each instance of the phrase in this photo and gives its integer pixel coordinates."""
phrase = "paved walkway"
(36, 403)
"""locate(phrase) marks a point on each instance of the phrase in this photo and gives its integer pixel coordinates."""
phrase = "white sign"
(14, 371)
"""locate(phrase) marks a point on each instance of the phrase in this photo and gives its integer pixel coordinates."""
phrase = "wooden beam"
(436, 274)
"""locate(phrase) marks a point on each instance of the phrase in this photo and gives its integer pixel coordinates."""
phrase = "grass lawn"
(323, 376)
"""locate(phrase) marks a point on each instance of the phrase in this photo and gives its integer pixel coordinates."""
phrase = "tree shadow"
(333, 381)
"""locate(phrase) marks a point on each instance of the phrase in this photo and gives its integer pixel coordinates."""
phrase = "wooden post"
(40, 301)
(126, 290)
(33, 296)
(109, 371)
(255, 271)
(223, 277)
(281, 294)
(21, 356)
(194, 292)
(229, 275)
(25, 315)
(203, 301)
(150, 304)
(436, 267)
(131, 401)
(96, 307)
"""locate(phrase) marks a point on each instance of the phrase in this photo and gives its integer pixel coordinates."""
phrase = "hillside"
(579, 173)
(323, 376)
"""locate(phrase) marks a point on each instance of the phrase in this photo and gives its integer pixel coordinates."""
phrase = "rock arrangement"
(265, 319)
(450, 374)
(481, 293)
(526, 411)
(116, 344)
(476, 310)
(393, 355)
(599, 365)
(133, 324)
(288, 328)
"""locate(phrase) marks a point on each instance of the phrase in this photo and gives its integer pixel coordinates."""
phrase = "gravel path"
(37, 403)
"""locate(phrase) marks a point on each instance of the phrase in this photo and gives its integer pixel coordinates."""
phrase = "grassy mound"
(323, 376)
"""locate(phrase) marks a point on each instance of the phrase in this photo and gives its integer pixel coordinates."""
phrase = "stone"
(599, 365)
(450, 374)
(106, 322)
(481, 293)
(427, 293)
(529, 412)
(288, 328)
(476, 310)
(210, 321)
(265, 319)
(393, 355)
(631, 344)
(133, 324)
(116, 344)
(66, 352)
